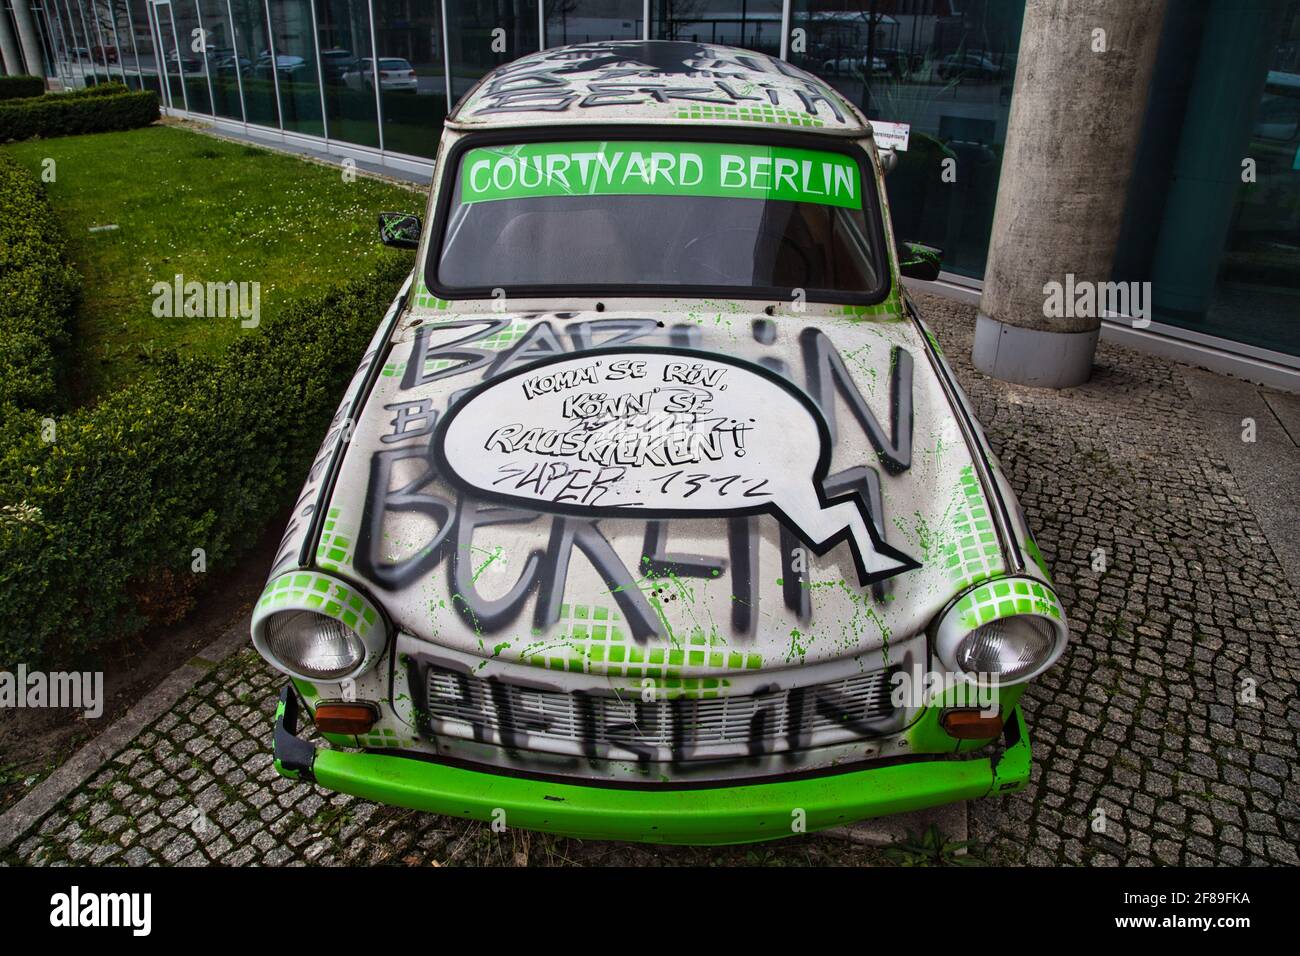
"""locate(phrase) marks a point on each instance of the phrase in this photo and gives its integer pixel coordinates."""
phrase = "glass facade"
(483, 34)
(144, 55)
(222, 59)
(346, 54)
(1213, 217)
(589, 21)
(193, 55)
(755, 24)
(411, 31)
(291, 63)
(948, 75)
(252, 42)
(1222, 252)
(382, 74)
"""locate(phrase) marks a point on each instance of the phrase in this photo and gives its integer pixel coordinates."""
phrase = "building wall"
(1213, 214)
(944, 67)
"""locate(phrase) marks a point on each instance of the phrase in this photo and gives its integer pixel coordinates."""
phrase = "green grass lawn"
(207, 209)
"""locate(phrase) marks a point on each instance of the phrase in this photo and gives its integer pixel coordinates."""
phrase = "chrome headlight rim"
(331, 598)
(998, 600)
(297, 639)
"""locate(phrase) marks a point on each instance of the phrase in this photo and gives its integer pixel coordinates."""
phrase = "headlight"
(1009, 648)
(313, 645)
(1010, 629)
(315, 627)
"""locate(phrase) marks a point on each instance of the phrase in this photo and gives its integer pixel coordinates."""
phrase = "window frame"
(666, 132)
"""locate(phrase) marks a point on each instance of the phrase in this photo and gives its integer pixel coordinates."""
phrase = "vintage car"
(653, 511)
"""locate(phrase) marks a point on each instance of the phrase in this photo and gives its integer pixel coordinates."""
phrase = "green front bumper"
(737, 813)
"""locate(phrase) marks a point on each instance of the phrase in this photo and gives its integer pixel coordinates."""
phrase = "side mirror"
(919, 261)
(399, 229)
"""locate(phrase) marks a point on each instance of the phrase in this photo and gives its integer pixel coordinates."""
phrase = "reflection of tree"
(557, 12)
(559, 9)
(872, 17)
(675, 15)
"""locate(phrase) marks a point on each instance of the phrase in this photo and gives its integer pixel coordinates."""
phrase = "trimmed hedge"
(98, 526)
(99, 109)
(16, 87)
(113, 88)
(38, 292)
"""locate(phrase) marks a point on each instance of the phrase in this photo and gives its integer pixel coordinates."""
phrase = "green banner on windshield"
(660, 169)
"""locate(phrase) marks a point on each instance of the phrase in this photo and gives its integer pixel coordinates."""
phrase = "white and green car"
(653, 511)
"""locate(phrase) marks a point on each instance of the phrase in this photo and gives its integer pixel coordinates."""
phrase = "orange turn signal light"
(971, 724)
(340, 717)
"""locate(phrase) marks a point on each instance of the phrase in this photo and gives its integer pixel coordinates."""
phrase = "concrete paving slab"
(950, 820)
(1267, 468)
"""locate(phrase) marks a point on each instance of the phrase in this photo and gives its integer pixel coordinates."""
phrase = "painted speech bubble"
(638, 431)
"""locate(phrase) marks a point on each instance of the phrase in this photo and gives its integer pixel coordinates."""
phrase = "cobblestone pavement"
(1147, 747)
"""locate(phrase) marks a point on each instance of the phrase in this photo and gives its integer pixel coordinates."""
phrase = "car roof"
(655, 81)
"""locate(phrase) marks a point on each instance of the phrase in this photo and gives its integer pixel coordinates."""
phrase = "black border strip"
(669, 132)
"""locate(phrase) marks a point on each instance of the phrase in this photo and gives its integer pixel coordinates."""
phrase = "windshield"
(677, 214)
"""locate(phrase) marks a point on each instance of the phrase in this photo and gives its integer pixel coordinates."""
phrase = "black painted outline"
(820, 469)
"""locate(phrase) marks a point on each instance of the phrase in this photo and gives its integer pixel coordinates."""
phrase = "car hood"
(707, 488)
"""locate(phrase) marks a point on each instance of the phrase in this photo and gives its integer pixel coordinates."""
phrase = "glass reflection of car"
(287, 66)
(187, 64)
(396, 75)
(335, 64)
(854, 66)
(541, 572)
(899, 62)
(225, 60)
(969, 66)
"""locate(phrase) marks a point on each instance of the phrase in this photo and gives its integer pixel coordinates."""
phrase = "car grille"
(514, 715)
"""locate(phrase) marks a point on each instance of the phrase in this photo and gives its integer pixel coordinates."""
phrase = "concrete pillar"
(13, 61)
(1076, 115)
(29, 37)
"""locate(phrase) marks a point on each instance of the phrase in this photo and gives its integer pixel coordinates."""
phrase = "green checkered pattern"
(890, 308)
(335, 549)
(749, 114)
(593, 639)
(497, 342)
(303, 590)
(384, 738)
(424, 299)
(999, 599)
(500, 341)
(973, 556)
